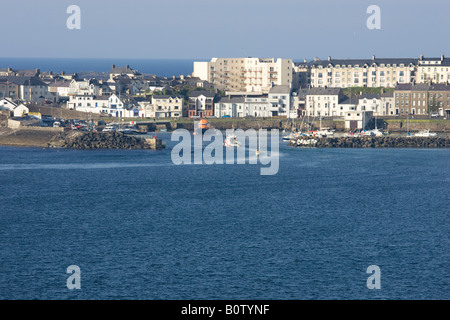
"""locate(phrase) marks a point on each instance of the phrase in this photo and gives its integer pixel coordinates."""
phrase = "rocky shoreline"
(371, 142)
(102, 140)
(81, 140)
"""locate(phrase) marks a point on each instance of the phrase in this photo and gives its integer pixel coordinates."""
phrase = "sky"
(202, 29)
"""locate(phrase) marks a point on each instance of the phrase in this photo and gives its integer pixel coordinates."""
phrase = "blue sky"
(202, 29)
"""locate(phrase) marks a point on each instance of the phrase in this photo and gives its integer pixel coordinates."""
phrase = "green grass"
(365, 90)
(420, 120)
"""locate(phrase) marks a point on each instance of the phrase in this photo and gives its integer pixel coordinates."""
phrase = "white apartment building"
(324, 102)
(240, 107)
(375, 72)
(84, 87)
(245, 74)
(164, 106)
(108, 105)
(434, 70)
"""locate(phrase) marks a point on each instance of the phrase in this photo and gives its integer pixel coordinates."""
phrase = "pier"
(371, 142)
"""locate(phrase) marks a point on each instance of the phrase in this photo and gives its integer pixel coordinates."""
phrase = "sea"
(159, 67)
(139, 226)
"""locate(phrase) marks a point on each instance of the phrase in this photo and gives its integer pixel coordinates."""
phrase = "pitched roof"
(361, 62)
(240, 99)
(208, 94)
(280, 89)
(24, 81)
(160, 96)
(370, 96)
(324, 91)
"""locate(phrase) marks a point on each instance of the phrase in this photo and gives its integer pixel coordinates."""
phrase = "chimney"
(421, 57)
(113, 66)
(329, 58)
(373, 57)
(127, 66)
(304, 60)
(442, 57)
(9, 69)
(316, 59)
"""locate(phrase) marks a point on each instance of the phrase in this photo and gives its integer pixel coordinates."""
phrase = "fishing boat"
(425, 133)
(231, 141)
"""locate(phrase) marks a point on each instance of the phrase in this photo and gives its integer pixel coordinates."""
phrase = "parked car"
(435, 115)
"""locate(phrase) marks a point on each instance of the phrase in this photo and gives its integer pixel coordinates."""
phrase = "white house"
(84, 87)
(280, 99)
(18, 110)
(21, 110)
(324, 102)
(357, 119)
(109, 105)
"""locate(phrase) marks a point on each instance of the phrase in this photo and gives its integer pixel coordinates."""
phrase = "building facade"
(375, 72)
(245, 74)
(201, 104)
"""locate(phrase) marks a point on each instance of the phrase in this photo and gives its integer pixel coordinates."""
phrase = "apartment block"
(256, 75)
(375, 72)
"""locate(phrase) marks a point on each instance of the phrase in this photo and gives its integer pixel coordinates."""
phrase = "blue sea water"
(140, 227)
(159, 67)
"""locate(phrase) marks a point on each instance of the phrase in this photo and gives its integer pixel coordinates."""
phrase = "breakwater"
(372, 142)
(103, 140)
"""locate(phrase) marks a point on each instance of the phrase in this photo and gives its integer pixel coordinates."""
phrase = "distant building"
(375, 72)
(165, 106)
(30, 89)
(17, 110)
(433, 70)
(245, 74)
(201, 104)
(324, 102)
(420, 99)
(357, 119)
(123, 71)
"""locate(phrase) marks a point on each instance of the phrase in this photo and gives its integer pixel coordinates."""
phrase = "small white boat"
(110, 128)
(325, 132)
(425, 133)
(377, 132)
(231, 141)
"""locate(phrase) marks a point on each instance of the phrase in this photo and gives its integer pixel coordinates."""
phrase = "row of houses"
(259, 75)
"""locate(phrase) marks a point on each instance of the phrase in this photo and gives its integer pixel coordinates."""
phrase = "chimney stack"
(421, 57)
(329, 58)
(373, 57)
(113, 66)
(442, 57)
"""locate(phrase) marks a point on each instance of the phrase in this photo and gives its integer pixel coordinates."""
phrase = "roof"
(361, 62)
(23, 81)
(370, 96)
(324, 91)
(60, 84)
(440, 87)
(347, 100)
(280, 89)
(389, 94)
(208, 94)
(160, 96)
(123, 70)
(232, 100)
(410, 86)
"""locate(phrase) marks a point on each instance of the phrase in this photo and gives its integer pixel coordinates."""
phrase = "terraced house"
(375, 72)
(238, 75)
(422, 99)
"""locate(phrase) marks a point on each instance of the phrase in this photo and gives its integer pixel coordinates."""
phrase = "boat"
(231, 141)
(425, 133)
(110, 128)
(325, 132)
